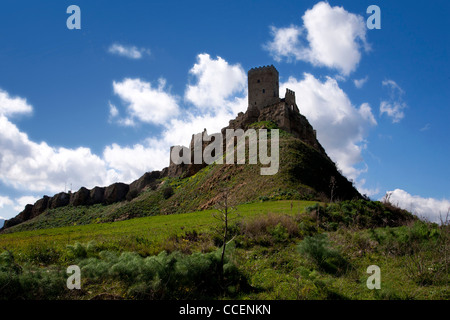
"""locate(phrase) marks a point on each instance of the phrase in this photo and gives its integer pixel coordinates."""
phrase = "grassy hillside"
(278, 250)
(304, 174)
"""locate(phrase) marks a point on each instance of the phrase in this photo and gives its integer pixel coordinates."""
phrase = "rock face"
(97, 195)
(80, 198)
(40, 206)
(59, 200)
(116, 192)
(148, 179)
(84, 197)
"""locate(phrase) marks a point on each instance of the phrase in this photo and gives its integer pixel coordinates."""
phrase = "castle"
(264, 104)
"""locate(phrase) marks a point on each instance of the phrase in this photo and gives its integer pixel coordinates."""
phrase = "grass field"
(143, 235)
(278, 250)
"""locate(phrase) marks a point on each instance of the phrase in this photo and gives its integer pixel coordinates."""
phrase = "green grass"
(277, 252)
(144, 235)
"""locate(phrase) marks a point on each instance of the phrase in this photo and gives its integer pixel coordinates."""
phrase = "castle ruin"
(264, 105)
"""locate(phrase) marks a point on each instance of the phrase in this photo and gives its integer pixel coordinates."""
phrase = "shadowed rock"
(59, 200)
(27, 213)
(149, 178)
(81, 197)
(40, 206)
(116, 192)
(97, 195)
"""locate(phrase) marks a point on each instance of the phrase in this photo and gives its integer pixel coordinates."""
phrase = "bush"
(19, 283)
(165, 276)
(317, 248)
(168, 192)
(268, 229)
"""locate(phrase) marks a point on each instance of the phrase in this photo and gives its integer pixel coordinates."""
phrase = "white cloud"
(130, 52)
(216, 82)
(429, 208)
(335, 38)
(341, 127)
(393, 107)
(20, 203)
(145, 103)
(286, 43)
(113, 111)
(28, 165)
(13, 105)
(359, 83)
(133, 161)
(360, 185)
(5, 201)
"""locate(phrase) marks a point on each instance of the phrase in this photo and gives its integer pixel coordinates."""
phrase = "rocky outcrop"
(40, 206)
(84, 197)
(59, 200)
(97, 195)
(149, 179)
(80, 198)
(116, 192)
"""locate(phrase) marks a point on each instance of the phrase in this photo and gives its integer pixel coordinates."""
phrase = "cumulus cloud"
(5, 201)
(394, 106)
(359, 83)
(428, 208)
(133, 161)
(21, 202)
(330, 37)
(144, 102)
(130, 52)
(341, 126)
(25, 164)
(13, 105)
(215, 81)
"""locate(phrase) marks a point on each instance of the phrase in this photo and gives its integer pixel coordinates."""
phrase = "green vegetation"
(304, 174)
(286, 249)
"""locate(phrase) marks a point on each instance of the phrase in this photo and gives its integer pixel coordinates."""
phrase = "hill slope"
(304, 174)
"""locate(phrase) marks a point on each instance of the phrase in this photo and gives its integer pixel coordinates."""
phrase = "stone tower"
(263, 87)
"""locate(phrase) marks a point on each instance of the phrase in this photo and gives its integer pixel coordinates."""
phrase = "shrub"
(317, 248)
(268, 229)
(19, 283)
(168, 192)
(165, 276)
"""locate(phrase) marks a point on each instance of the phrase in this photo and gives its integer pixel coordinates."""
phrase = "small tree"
(226, 212)
(333, 187)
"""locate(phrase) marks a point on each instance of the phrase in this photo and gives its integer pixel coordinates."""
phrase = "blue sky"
(104, 103)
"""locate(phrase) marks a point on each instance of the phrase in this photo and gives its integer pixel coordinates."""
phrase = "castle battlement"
(262, 69)
(289, 91)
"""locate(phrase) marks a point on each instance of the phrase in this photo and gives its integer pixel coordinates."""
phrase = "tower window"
(264, 90)
(259, 81)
